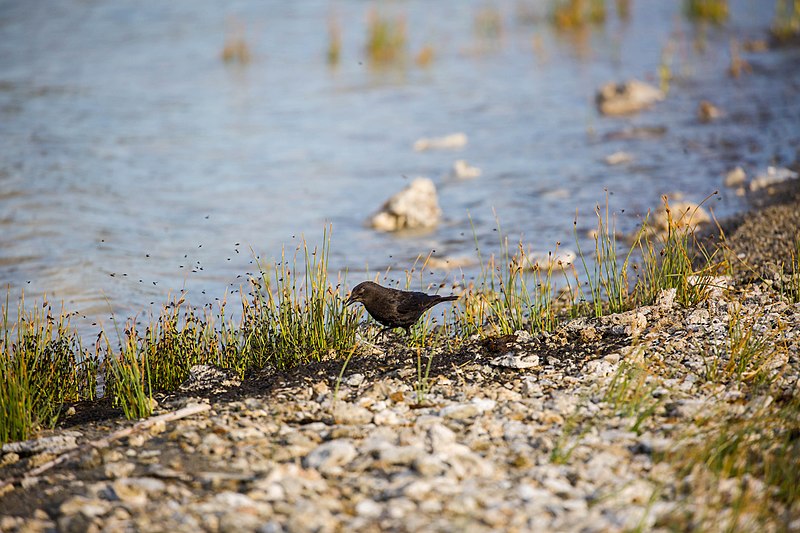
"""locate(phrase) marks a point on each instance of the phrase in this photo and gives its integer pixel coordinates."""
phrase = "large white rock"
(415, 207)
(628, 97)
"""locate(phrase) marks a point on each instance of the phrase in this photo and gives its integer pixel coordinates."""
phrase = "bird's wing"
(415, 305)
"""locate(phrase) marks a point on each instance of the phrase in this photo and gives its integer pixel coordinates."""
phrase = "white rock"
(448, 142)
(430, 466)
(327, 457)
(351, 414)
(463, 170)
(203, 378)
(440, 437)
(233, 499)
(627, 97)
(369, 508)
(618, 158)
(666, 299)
(118, 469)
(85, 506)
(400, 455)
(735, 178)
(415, 207)
(417, 489)
(484, 404)
(629, 323)
(530, 387)
(773, 176)
(55, 444)
(386, 417)
(355, 380)
(519, 361)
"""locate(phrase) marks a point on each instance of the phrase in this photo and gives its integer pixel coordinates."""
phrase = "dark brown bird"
(394, 308)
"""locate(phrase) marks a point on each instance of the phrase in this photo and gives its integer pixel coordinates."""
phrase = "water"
(135, 163)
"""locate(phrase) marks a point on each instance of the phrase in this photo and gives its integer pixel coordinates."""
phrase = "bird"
(394, 308)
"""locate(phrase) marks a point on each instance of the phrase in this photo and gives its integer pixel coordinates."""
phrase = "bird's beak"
(350, 301)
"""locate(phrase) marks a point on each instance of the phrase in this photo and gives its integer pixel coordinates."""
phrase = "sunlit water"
(135, 163)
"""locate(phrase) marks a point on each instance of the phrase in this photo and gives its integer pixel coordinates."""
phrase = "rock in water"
(736, 177)
(448, 142)
(415, 207)
(706, 111)
(628, 97)
(463, 170)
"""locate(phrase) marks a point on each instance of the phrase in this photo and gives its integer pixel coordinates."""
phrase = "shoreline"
(609, 423)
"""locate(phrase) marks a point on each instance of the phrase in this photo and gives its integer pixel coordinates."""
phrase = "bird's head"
(359, 291)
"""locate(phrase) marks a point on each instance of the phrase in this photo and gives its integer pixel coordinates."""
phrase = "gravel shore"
(602, 425)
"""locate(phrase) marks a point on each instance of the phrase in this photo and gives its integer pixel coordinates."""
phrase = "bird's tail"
(449, 298)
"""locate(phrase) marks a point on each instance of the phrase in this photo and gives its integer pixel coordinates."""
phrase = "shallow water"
(135, 163)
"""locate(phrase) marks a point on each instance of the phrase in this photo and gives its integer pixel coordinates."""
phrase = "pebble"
(328, 457)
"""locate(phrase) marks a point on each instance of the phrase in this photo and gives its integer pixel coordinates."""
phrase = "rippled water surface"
(135, 162)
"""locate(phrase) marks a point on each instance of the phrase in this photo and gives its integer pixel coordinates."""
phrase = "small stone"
(369, 508)
(666, 299)
(355, 380)
(735, 178)
(429, 466)
(9, 459)
(386, 417)
(330, 456)
(118, 469)
(137, 492)
(516, 360)
(209, 379)
(618, 158)
(460, 411)
(440, 437)
(85, 506)
(351, 414)
(400, 455)
(462, 170)
(706, 111)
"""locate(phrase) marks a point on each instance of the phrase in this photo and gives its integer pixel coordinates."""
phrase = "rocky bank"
(588, 428)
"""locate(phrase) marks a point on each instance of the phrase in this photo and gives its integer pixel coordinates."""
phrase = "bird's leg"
(382, 332)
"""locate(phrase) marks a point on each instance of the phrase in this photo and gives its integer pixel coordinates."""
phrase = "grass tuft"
(386, 39)
(334, 53)
(128, 378)
(42, 365)
(608, 278)
(668, 261)
(573, 14)
(291, 320)
(715, 11)
(790, 277)
(786, 25)
(630, 393)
